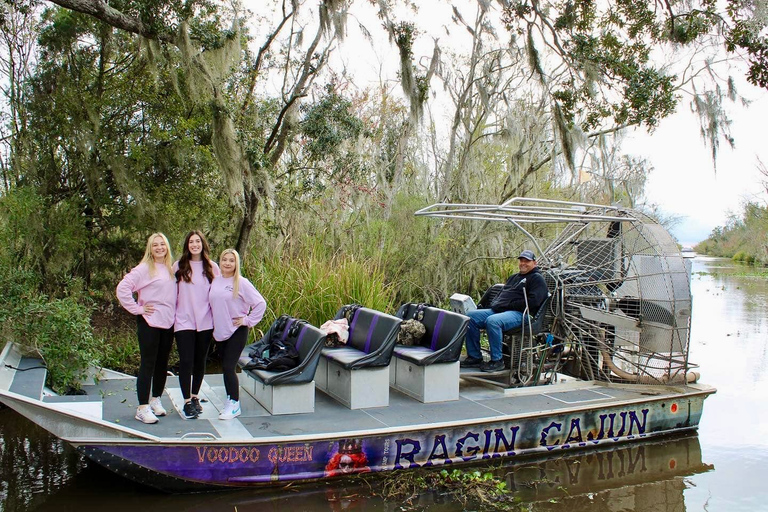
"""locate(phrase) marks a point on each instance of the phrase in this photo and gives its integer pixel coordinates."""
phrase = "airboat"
(604, 362)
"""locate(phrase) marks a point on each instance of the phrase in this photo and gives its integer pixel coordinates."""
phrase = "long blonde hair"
(150, 260)
(236, 276)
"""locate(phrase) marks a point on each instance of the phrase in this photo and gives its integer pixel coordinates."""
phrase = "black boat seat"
(537, 323)
(429, 371)
(443, 339)
(289, 391)
(357, 374)
(372, 338)
(308, 340)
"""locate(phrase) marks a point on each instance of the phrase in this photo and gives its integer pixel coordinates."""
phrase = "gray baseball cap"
(528, 255)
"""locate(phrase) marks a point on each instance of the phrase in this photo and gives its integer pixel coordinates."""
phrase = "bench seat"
(289, 391)
(429, 371)
(357, 374)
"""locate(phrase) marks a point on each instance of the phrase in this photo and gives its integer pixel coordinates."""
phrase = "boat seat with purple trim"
(308, 340)
(372, 338)
(443, 339)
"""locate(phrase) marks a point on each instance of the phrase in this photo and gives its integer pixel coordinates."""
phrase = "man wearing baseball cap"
(526, 288)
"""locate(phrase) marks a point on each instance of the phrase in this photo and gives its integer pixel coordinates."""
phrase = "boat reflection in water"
(639, 477)
(644, 477)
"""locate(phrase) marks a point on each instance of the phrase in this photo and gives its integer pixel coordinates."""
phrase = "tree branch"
(103, 12)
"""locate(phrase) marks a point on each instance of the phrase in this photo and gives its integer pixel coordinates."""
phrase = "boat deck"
(113, 401)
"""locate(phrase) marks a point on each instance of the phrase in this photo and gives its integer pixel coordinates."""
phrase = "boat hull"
(260, 449)
(196, 465)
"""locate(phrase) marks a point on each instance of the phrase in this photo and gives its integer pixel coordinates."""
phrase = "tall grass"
(315, 286)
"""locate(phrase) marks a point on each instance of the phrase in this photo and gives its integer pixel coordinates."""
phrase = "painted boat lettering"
(249, 454)
(298, 453)
(497, 442)
(227, 454)
(268, 462)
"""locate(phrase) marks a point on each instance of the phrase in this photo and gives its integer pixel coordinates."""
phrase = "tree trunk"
(246, 224)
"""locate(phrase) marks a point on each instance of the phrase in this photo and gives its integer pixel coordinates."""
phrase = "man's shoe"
(492, 366)
(157, 406)
(471, 362)
(196, 403)
(189, 412)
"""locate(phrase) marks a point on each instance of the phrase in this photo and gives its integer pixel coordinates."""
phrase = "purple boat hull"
(205, 464)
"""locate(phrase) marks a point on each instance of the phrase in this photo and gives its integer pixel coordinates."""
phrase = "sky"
(684, 181)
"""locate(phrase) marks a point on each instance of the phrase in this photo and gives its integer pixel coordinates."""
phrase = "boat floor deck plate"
(578, 396)
(29, 378)
(476, 402)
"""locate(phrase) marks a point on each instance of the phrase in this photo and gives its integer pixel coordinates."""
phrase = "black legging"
(230, 353)
(154, 346)
(193, 354)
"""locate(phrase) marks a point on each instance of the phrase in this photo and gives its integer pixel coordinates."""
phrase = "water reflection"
(729, 341)
(34, 464)
(640, 477)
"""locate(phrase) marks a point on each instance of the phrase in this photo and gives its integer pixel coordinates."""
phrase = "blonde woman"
(155, 307)
(236, 306)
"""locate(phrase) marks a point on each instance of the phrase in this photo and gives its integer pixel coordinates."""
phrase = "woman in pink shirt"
(155, 308)
(236, 306)
(194, 322)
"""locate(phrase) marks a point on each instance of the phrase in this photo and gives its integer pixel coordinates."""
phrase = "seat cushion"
(262, 375)
(415, 354)
(343, 355)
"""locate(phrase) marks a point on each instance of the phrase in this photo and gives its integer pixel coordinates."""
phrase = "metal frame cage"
(620, 305)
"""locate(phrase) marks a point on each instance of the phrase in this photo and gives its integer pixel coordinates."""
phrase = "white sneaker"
(157, 406)
(145, 415)
(231, 410)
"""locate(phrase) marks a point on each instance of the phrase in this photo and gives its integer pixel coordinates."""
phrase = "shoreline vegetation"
(744, 238)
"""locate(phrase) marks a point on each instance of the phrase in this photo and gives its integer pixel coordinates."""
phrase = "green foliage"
(469, 487)
(114, 155)
(747, 33)
(39, 235)
(58, 330)
(328, 123)
(607, 48)
(744, 238)
(314, 287)
(120, 350)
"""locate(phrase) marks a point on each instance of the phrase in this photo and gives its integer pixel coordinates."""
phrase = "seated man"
(505, 313)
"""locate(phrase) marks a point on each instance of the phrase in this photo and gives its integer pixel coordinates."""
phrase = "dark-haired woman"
(194, 322)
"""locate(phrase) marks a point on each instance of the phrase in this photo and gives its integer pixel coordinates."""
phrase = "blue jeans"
(494, 324)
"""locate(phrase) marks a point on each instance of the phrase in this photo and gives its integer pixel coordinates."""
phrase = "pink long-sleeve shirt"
(249, 305)
(193, 311)
(158, 290)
